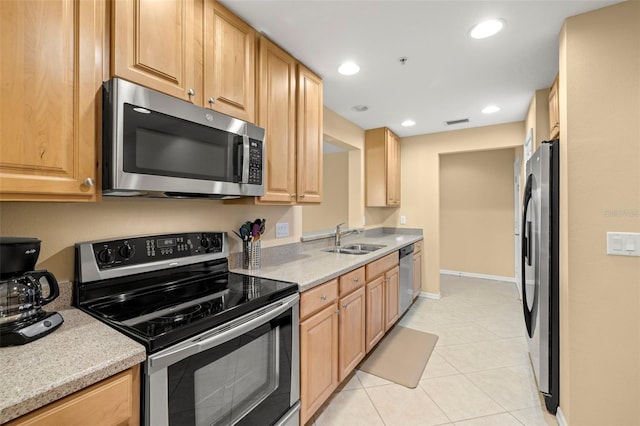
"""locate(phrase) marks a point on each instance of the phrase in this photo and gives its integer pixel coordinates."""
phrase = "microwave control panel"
(255, 162)
(140, 250)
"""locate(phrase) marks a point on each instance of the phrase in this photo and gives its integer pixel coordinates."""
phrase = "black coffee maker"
(22, 318)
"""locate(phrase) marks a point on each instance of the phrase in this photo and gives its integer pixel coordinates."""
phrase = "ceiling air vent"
(453, 122)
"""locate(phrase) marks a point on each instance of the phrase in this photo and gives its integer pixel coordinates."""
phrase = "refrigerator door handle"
(526, 253)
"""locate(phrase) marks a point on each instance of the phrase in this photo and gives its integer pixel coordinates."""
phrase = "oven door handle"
(221, 334)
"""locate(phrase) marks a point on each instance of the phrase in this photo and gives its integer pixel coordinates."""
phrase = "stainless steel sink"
(358, 249)
(364, 247)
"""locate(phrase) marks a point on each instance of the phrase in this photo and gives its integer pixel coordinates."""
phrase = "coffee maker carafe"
(22, 294)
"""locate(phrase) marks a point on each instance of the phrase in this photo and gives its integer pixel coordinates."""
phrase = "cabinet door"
(393, 169)
(229, 63)
(309, 144)
(554, 110)
(375, 317)
(50, 91)
(113, 401)
(392, 292)
(277, 113)
(153, 44)
(318, 360)
(417, 274)
(351, 332)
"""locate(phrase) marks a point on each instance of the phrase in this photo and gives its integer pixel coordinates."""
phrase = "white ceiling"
(448, 75)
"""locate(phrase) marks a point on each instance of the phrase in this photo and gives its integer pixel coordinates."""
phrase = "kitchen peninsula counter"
(312, 266)
(81, 352)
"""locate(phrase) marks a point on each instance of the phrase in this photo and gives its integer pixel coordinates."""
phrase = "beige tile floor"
(478, 374)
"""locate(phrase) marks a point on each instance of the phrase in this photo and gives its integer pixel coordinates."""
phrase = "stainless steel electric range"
(222, 348)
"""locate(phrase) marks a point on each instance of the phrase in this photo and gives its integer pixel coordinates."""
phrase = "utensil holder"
(251, 255)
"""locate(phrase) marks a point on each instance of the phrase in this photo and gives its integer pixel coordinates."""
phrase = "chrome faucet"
(336, 241)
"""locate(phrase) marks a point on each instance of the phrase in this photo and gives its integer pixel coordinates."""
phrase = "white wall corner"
(426, 295)
(562, 420)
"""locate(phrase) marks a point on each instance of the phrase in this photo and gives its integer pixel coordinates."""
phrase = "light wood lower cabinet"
(374, 324)
(351, 347)
(318, 360)
(383, 291)
(392, 294)
(113, 401)
(417, 274)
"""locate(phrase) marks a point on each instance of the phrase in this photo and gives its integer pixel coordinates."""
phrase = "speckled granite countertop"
(81, 352)
(311, 267)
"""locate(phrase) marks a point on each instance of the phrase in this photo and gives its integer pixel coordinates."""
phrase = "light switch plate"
(623, 243)
(403, 220)
(282, 230)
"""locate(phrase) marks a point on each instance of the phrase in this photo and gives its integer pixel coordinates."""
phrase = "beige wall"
(421, 183)
(600, 192)
(477, 212)
(334, 208)
(339, 131)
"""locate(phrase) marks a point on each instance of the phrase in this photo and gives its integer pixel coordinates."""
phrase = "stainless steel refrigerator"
(539, 239)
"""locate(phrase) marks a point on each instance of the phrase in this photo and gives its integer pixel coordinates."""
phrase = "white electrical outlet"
(623, 243)
(282, 230)
(403, 220)
(364, 220)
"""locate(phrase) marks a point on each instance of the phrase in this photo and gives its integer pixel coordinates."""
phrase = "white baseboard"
(426, 295)
(562, 420)
(482, 276)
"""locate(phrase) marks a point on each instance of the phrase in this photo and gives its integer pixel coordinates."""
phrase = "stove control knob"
(217, 242)
(126, 251)
(106, 256)
(206, 242)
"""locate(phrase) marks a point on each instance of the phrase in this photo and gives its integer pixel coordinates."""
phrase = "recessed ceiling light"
(490, 109)
(348, 68)
(360, 108)
(407, 123)
(487, 28)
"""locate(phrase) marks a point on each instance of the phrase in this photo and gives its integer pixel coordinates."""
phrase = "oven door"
(245, 372)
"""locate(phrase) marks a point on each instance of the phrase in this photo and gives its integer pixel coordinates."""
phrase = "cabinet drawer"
(380, 266)
(417, 247)
(317, 298)
(351, 281)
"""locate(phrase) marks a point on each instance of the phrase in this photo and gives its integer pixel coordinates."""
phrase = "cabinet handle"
(344, 306)
(89, 182)
(337, 311)
(302, 196)
(293, 195)
(212, 100)
(191, 92)
(355, 280)
(323, 297)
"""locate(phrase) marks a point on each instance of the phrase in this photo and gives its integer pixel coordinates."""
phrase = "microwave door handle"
(245, 159)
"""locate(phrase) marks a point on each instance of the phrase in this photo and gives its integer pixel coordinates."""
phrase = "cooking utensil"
(263, 226)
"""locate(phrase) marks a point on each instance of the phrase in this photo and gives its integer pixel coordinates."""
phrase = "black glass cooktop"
(168, 312)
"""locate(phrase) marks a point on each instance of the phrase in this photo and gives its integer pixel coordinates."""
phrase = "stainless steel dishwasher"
(406, 278)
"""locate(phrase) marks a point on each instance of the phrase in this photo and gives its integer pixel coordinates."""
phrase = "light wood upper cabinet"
(229, 63)
(51, 90)
(277, 113)
(554, 110)
(309, 144)
(153, 44)
(113, 401)
(382, 168)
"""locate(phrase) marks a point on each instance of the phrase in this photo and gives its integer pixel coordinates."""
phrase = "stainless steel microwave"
(160, 146)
